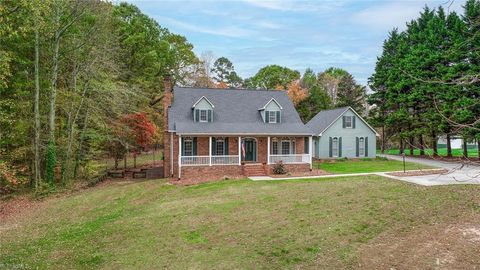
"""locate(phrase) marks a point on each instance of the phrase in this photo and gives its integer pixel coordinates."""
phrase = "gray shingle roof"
(235, 112)
(324, 118)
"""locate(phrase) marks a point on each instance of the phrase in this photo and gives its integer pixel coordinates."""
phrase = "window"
(361, 147)
(203, 116)
(272, 116)
(275, 147)
(188, 147)
(348, 121)
(220, 147)
(335, 147)
(286, 147)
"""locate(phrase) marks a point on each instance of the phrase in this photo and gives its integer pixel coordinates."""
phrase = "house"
(342, 132)
(232, 132)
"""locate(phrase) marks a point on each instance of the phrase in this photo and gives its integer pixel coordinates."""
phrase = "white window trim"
(222, 141)
(335, 140)
(274, 113)
(200, 115)
(190, 142)
(351, 121)
(361, 142)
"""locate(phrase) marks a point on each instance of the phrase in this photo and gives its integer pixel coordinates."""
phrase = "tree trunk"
(383, 140)
(465, 150)
(422, 146)
(449, 146)
(402, 146)
(36, 163)
(80, 152)
(411, 145)
(125, 162)
(434, 144)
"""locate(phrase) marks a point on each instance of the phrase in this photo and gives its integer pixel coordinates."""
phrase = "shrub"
(381, 158)
(342, 159)
(365, 159)
(279, 168)
(8, 179)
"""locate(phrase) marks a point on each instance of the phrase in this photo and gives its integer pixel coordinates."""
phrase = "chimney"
(167, 98)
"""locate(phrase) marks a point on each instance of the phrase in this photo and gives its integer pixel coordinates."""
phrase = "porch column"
(310, 150)
(239, 150)
(268, 150)
(179, 156)
(210, 151)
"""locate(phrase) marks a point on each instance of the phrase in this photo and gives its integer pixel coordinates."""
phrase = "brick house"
(218, 132)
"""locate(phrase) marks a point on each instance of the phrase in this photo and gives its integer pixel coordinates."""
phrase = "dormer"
(203, 110)
(271, 112)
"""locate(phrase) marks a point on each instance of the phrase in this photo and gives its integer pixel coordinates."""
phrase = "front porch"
(220, 151)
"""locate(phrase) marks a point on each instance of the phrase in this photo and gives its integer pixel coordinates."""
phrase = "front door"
(250, 150)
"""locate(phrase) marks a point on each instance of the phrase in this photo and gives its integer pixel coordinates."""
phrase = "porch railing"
(205, 160)
(195, 160)
(225, 160)
(290, 159)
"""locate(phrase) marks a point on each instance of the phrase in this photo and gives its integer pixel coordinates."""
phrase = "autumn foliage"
(142, 131)
(296, 93)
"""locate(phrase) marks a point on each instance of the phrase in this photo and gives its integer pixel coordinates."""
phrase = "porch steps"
(254, 170)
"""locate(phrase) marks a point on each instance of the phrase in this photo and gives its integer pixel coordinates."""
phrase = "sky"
(297, 34)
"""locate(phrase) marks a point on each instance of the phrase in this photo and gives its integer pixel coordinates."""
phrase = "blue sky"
(297, 34)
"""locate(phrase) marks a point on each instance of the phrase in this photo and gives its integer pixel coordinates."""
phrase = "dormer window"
(272, 116)
(203, 116)
(203, 110)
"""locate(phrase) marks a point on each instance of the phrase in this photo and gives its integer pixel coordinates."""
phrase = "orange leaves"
(296, 93)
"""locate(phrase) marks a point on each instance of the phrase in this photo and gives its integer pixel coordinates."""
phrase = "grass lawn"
(367, 165)
(298, 224)
(472, 152)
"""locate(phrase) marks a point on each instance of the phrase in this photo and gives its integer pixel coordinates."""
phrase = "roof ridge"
(234, 89)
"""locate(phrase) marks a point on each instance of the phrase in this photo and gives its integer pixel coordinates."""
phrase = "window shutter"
(357, 147)
(267, 113)
(194, 146)
(340, 146)
(183, 146)
(330, 146)
(214, 146)
(366, 146)
(353, 121)
(343, 121)
(210, 115)
(197, 116)
(305, 145)
(226, 146)
(278, 117)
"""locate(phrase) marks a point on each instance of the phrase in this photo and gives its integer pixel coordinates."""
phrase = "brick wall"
(291, 168)
(212, 172)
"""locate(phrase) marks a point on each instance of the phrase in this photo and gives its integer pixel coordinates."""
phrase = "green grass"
(472, 152)
(367, 165)
(298, 224)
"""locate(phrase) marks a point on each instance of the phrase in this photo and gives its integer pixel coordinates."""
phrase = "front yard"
(367, 165)
(365, 222)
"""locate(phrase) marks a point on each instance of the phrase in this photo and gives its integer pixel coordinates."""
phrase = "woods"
(426, 82)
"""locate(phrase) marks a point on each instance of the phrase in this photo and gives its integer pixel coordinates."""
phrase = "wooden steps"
(254, 169)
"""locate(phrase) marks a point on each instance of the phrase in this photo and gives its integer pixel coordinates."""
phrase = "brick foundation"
(291, 168)
(212, 172)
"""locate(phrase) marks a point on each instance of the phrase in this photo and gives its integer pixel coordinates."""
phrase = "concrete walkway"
(458, 173)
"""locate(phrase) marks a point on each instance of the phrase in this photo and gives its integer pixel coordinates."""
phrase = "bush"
(279, 168)
(381, 158)
(342, 159)
(8, 179)
(365, 159)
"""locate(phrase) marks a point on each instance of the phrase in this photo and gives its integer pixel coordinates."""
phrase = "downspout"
(171, 154)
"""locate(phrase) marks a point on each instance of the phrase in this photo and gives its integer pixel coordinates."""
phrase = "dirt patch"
(439, 246)
(314, 172)
(419, 173)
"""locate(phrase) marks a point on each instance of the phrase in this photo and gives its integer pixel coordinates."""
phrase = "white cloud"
(396, 14)
(226, 31)
(290, 5)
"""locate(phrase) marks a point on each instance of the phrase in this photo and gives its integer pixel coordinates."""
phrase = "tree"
(224, 73)
(296, 93)
(272, 77)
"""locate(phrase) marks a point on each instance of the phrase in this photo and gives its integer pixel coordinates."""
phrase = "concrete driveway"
(458, 172)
